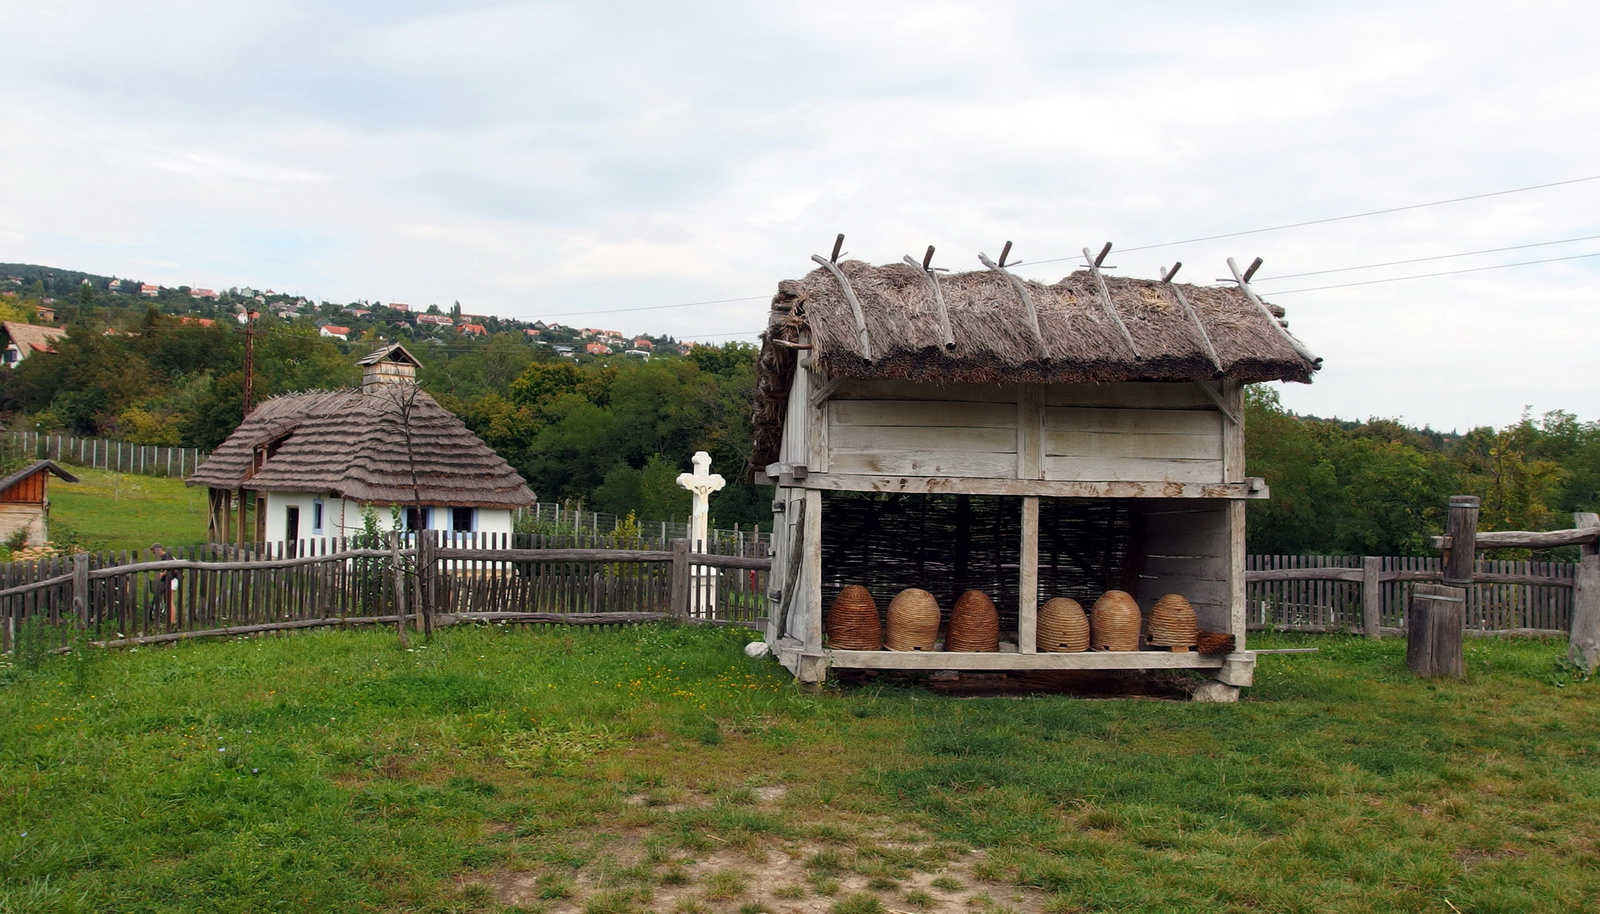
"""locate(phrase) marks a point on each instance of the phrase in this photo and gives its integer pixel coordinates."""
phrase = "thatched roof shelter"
(354, 444)
(989, 326)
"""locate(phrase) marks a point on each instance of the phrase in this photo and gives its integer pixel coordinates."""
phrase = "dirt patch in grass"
(862, 865)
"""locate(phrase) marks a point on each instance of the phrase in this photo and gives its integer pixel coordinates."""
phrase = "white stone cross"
(702, 483)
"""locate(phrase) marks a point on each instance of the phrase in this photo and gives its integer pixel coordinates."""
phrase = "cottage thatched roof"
(1145, 332)
(353, 445)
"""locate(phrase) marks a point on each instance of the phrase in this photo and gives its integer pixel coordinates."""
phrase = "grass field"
(125, 511)
(659, 769)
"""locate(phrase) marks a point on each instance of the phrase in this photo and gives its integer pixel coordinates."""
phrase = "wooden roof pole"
(1243, 279)
(1194, 316)
(938, 296)
(849, 293)
(1105, 296)
(1022, 291)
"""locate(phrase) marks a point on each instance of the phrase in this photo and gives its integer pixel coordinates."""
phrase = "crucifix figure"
(701, 483)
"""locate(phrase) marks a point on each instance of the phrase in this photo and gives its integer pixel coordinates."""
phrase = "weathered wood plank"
(924, 463)
(961, 660)
(1046, 488)
(1028, 583)
(847, 439)
(1132, 445)
(921, 413)
(1151, 421)
(950, 392)
(1153, 470)
(1522, 539)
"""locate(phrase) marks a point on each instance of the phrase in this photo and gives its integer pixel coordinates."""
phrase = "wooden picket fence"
(135, 597)
(1370, 593)
(105, 453)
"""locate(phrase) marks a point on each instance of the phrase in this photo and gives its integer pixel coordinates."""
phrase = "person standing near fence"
(165, 586)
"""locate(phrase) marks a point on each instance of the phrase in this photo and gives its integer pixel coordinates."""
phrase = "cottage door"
(291, 526)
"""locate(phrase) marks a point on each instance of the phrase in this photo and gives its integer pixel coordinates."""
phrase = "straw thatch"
(1079, 339)
(352, 444)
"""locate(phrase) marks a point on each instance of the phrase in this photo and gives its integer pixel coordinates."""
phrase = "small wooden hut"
(25, 501)
(955, 431)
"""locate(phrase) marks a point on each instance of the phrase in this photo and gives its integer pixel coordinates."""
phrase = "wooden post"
(427, 545)
(1371, 596)
(1028, 584)
(1583, 647)
(679, 590)
(80, 588)
(1462, 528)
(399, 587)
(1433, 631)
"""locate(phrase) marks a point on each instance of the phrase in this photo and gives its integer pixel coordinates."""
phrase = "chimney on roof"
(391, 365)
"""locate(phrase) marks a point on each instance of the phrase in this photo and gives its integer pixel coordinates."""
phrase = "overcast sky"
(542, 159)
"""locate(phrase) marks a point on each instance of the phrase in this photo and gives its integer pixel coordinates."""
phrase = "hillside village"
(51, 296)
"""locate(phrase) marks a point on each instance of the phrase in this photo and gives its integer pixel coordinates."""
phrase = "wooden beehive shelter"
(977, 430)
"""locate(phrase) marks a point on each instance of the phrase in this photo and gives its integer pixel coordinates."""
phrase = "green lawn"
(659, 769)
(125, 511)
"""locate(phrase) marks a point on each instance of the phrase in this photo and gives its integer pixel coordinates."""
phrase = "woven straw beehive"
(913, 621)
(974, 624)
(852, 623)
(1063, 626)
(1114, 622)
(1172, 623)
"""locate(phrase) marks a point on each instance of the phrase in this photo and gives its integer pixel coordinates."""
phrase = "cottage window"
(316, 515)
(463, 520)
(412, 519)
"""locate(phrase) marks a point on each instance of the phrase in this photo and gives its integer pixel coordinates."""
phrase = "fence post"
(80, 588)
(1462, 528)
(1583, 647)
(680, 579)
(1371, 596)
(427, 542)
(1433, 631)
(399, 587)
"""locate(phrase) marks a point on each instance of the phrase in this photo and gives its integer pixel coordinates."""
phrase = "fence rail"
(136, 597)
(106, 454)
(1370, 593)
(548, 516)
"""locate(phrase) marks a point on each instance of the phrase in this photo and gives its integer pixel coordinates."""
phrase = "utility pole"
(249, 359)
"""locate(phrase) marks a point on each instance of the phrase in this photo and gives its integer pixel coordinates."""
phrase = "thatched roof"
(1144, 333)
(32, 337)
(352, 445)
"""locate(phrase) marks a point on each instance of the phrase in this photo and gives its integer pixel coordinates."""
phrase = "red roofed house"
(198, 321)
(22, 340)
(338, 333)
(203, 293)
(437, 320)
(473, 330)
(149, 291)
(642, 343)
(597, 349)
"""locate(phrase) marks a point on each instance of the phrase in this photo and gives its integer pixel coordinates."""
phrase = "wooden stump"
(1433, 631)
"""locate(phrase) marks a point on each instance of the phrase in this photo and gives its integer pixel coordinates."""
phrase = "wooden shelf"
(995, 661)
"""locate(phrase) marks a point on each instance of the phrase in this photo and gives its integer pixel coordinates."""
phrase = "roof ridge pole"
(1105, 296)
(855, 303)
(1243, 279)
(938, 296)
(1022, 291)
(1183, 301)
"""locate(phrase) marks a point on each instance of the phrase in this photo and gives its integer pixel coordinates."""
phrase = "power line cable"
(1373, 282)
(1376, 212)
(1396, 263)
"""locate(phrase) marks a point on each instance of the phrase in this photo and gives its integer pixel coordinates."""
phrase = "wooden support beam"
(1194, 318)
(1028, 578)
(809, 599)
(1002, 661)
(1045, 488)
(1522, 539)
(1214, 393)
(946, 333)
(1244, 286)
